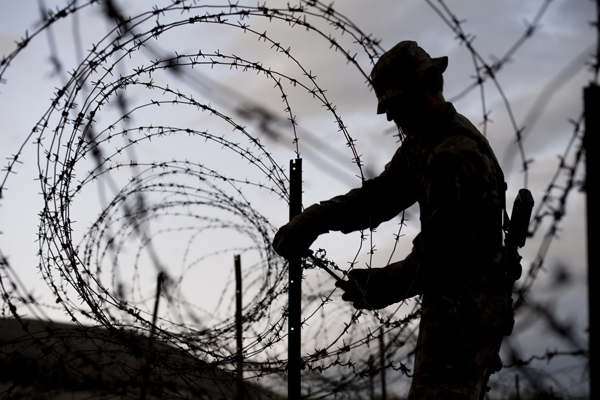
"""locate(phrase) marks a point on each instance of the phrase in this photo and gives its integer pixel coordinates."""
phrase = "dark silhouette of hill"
(49, 360)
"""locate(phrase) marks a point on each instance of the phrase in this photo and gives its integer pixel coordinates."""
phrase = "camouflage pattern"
(459, 341)
(400, 67)
(454, 176)
(456, 260)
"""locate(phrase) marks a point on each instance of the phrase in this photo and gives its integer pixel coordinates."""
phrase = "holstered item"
(517, 230)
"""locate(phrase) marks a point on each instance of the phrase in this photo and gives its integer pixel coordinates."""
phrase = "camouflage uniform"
(456, 260)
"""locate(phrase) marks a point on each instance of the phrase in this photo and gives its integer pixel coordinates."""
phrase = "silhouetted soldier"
(448, 167)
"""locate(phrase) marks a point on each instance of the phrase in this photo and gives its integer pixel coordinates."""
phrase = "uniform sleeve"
(379, 199)
(461, 213)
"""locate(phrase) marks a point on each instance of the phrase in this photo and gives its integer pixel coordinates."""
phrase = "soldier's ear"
(432, 80)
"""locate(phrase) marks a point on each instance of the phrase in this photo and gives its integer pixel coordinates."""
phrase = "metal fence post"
(295, 289)
(371, 378)
(146, 373)
(382, 364)
(590, 143)
(238, 326)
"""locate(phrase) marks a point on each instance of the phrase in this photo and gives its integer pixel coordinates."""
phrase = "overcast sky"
(543, 82)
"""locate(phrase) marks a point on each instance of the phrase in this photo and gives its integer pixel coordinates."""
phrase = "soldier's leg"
(457, 346)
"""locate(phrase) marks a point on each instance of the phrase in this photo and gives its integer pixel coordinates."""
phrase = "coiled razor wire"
(185, 215)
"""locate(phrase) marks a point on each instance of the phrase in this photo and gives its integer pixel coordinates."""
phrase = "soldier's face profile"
(406, 109)
(414, 110)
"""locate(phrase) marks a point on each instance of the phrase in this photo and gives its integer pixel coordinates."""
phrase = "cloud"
(534, 79)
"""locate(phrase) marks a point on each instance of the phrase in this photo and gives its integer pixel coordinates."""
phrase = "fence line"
(97, 273)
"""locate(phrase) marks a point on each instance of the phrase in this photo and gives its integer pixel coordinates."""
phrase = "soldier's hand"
(295, 237)
(365, 289)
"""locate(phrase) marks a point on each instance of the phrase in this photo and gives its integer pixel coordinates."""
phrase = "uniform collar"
(435, 133)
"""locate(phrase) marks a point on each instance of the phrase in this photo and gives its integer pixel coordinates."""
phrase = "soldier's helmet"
(400, 68)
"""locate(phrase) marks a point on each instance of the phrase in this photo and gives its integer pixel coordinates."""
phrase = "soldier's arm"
(378, 200)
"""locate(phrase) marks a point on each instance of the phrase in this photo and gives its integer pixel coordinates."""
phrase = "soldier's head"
(406, 81)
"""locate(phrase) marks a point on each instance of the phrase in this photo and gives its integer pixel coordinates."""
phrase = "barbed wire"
(92, 142)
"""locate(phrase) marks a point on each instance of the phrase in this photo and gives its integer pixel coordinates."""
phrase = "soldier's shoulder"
(458, 149)
(462, 136)
(460, 145)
